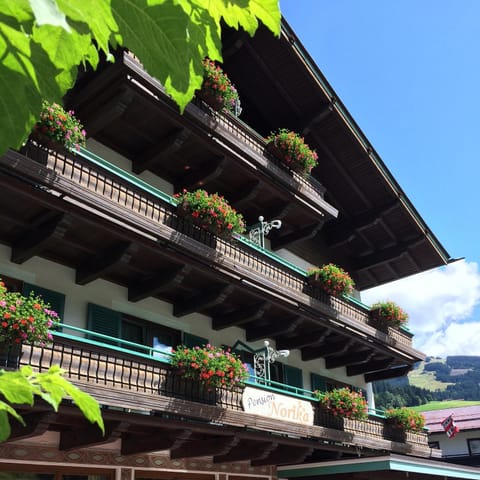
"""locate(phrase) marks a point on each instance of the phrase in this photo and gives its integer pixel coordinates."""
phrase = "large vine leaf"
(42, 42)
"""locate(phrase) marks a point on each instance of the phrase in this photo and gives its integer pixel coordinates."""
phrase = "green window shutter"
(318, 382)
(55, 299)
(105, 321)
(191, 341)
(293, 376)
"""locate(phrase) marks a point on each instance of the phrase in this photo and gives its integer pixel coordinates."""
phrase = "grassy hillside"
(445, 404)
(424, 379)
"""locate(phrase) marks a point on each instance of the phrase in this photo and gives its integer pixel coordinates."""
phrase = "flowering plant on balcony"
(24, 319)
(210, 212)
(291, 149)
(388, 314)
(343, 402)
(211, 365)
(217, 89)
(59, 126)
(405, 418)
(332, 279)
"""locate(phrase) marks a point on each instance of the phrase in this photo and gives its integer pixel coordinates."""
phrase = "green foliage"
(211, 365)
(22, 386)
(332, 279)
(24, 319)
(445, 404)
(343, 402)
(211, 212)
(42, 43)
(406, 418)
(61, 126)
(291, 148)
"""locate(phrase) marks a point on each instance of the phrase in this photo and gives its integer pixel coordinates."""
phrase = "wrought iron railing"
(93, 181)
(127, 368)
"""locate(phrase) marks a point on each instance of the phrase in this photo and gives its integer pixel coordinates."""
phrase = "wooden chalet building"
(97, 234)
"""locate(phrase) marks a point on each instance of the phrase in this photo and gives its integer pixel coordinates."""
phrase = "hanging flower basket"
(405, 419)
(332, 279)
(210, 212)
(344, 403)
(291, 149)
(217, 90)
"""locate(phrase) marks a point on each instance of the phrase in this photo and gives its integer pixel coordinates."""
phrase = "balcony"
(150, 408)
(106, 223)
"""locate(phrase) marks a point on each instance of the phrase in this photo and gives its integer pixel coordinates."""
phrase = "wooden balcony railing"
(121, 377)
(92, 181)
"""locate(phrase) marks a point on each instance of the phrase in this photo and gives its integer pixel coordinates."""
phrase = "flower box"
(292, 151)
(387, 314)
(330, 278)
(343, 402)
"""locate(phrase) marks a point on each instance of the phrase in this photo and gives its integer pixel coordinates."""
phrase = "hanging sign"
(449, 426)
(273, 405)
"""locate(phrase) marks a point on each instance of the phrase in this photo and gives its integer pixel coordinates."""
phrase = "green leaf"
(16, 387)
(47, 12)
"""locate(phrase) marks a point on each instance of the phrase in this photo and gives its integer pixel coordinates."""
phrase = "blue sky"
(409, 73)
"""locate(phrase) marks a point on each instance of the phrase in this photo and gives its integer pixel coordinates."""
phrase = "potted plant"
(212, 366)
(291, 149)
(210, 212)
(406, 419)
(217, 90)
(58, 128)
(343, 402)
(22, 320)
(387, 314)
(331, 278)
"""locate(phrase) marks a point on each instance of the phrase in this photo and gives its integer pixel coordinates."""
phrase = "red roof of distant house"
(466, 418)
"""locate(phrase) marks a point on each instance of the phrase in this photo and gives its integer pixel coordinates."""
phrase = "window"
(434, 445)
(132, 329)
(293, 376)
(474, 446)
(55, 299)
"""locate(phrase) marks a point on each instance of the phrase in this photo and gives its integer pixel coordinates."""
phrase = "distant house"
(464, 447)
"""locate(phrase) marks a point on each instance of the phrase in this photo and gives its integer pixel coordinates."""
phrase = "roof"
(379, 468)
(466, 418)
(379, 236)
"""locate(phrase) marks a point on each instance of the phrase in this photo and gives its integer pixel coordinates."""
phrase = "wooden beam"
(319, 115)
(331, 348)
(33, 241)
(133, 444)
(388, 373)
(274, 329)
(386, 255)
(241, 316)
(348, 359)
(345, 230)
(202, 447)
(246, 450)
(80, 437)
(151, 285)
(162, 150)
(202, 175)
(368, 367)
(99, 118)
(246, 194)
(102, 262)
(284, 455)
(297, 235)
(36, 423)
(303, 340)
(201, 300)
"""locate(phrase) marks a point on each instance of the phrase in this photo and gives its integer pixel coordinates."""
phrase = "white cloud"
(440, 304)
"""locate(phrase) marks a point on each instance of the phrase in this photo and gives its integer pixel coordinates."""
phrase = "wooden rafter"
(164, 440)
(153, 284)
(246, 194)
(80, 437)
(162, 150)
(303, 340)
(284, 455)
(33, 241)
(36, 423)
(348, 359)
(297, 235)
(368, 367)
(246, 450)
(104, 261)
(241, 316)
(201, 300)
(330, 348)
(279, 327)
(388, 373)
(202, 175)
(203, 447)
